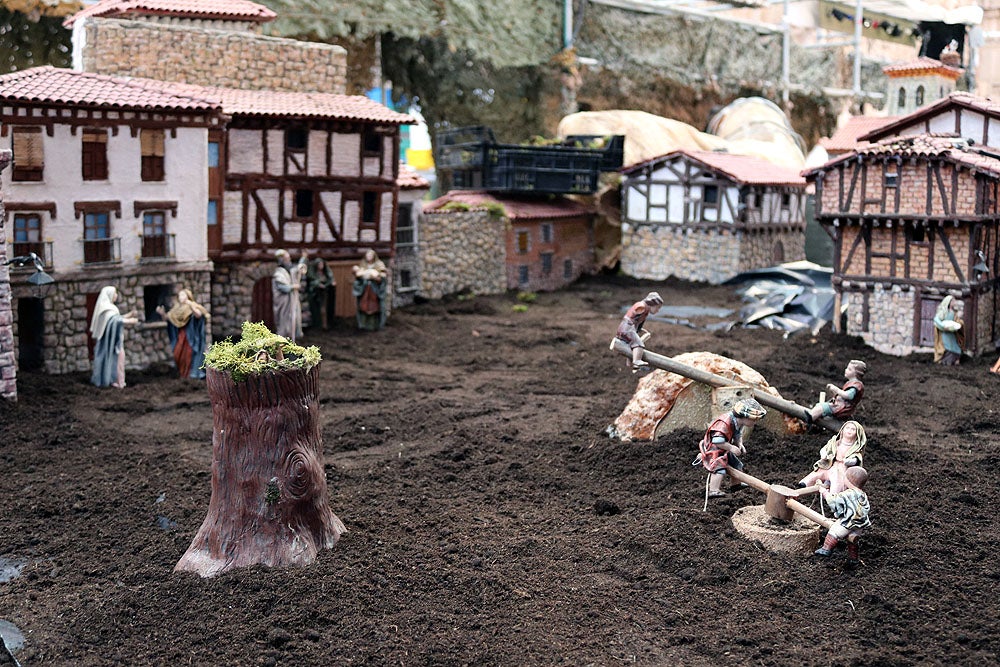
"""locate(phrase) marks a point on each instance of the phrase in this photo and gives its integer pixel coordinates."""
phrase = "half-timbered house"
(108, 187)
(960, 113)
(707, 216)
(914, 218)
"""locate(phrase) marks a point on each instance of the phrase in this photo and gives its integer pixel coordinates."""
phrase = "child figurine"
(630, 330)
(850, 509)
(845, 399)
(842, 451)
(724, 440)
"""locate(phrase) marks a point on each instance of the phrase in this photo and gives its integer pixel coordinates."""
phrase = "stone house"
(707, 216)
(547, 242)
(405, 267)
(108, 188)
(915, 218)
(8, 360)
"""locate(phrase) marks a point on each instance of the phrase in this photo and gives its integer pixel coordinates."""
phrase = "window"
(155, 242)
(213, 212)
(304, 204)
(568, 269)
(28, 234)
(405, 231)
(711, 195)
(369, 207)
(546, 263)
(95, 155)
(891, 179)
(371, 142)
(901, 99)
(547, 232)
(98, 246)
(523, 242)
(297, 139)
(522, 274)
(918, 99)
(405, 279)
(786, 200)
(29, 158)
(96, 226)
(151, 145)
(156, 295)
(918, 233)
(213, 154)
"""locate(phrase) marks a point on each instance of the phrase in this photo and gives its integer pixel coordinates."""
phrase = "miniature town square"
(326, 338)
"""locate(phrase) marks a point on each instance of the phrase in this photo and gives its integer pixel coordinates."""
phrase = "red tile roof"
(846, 137)
(517, 208)
(52, 85)
(227, 10)
(922, 66)
(63, 86)
(410, 179)
(962, 99)
(743, 169)
(951, 147)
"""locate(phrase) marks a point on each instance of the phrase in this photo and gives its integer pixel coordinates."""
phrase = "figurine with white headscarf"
(107, 327)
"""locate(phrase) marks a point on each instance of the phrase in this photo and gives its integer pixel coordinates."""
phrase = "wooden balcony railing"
(102, 251)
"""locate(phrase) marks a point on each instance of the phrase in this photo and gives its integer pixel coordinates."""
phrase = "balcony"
(41, 248)
(158, 247)
(102, 251)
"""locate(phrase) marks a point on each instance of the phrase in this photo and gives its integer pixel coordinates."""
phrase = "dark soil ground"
(465, 452)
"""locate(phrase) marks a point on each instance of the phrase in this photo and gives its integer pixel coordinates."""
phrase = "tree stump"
(269, 502)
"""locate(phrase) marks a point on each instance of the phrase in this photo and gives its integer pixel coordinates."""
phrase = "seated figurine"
(842, 451)
(850, 509)
(630, 330)
(845, 399)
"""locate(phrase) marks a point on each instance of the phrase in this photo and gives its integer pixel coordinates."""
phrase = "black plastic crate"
(470, 158)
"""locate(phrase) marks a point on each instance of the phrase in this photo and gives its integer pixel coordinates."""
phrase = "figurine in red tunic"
(723, 441)
(630, 330)
(845, 399)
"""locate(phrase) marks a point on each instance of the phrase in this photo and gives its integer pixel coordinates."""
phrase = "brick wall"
(462, 251)
(571, 241)
(211, 57)
(8, 361)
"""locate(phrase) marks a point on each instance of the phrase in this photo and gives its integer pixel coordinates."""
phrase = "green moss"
(244, 357)
(495, 209)
(456, 206)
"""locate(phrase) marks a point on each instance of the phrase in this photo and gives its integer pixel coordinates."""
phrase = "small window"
(568, 269)
(213, 154)
(371, 142)
(546, 263)
(901, 99)
(29, 157)
(155, 243)
(98, 246)
(151, 142)
(369, 207)
(96, 226)
(405, 232)
(304, 204)
(297, 139)
(405, 278)
(154, 223)
(95, 155)
(27, 228)
(547, 232)
(523, 242)
(786, 200)
(918, 234)
(918, 99)
(213, 212)
(891, 179)
(711, 194)
(522, 274)
(156, 295)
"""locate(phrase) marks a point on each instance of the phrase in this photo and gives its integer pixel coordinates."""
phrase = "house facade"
(108, 188)
(707, 216)
(914, 218)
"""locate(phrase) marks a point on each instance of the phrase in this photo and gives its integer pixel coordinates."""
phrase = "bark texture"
(269, 503)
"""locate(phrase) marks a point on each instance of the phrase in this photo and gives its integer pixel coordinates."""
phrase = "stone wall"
(462, 251)
(8, 360)
(891, 316)
(67, 329)
(712, 255)
(209, 57)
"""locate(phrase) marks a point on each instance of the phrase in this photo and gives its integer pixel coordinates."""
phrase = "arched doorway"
(30, 333)
(778, 253)
(262, 306)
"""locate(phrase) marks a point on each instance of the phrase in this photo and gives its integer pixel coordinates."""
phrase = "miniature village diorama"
(158, 207)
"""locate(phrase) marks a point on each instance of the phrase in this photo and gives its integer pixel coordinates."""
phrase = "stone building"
(915, 218)
(545, 243)
(8, 360)
(405, 267)
(916, 83)
(108, 188)
(707, 216)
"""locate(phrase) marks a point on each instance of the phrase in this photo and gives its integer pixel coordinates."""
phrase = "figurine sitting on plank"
(842, 451)
(850, 509)
(630, 330)
(845, 399)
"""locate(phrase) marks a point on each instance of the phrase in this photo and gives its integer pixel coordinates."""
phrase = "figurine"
(724, 440)
(186, 329)
(369, 290)
(630, 330)
(995, 368)
(107, 326)
(319, 280)
(948, 334)
(286, 284)
(842, 451)
(850, 509)
(845, 399)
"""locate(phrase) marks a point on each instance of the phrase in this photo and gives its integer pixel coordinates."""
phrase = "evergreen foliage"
(26, 43)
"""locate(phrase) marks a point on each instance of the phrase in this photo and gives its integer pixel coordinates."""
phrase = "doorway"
(30, 333)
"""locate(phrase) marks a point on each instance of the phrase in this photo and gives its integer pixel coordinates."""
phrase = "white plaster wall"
(232, 207)
(269, 198)
(275, 152)
(944, 123)
(186, 182)
(386, 208)
(351, 215)
(345, 150)
(317, 153)
(331, 200)
(994, 136)
(245, 153)
(972, 125)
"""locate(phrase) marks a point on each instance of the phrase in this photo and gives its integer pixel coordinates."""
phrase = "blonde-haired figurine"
(850, 509)
(842, 451)
(186, 329)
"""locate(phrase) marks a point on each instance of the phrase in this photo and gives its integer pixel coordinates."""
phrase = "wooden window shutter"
(95, 137)
(152, 143)
(28, 151)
